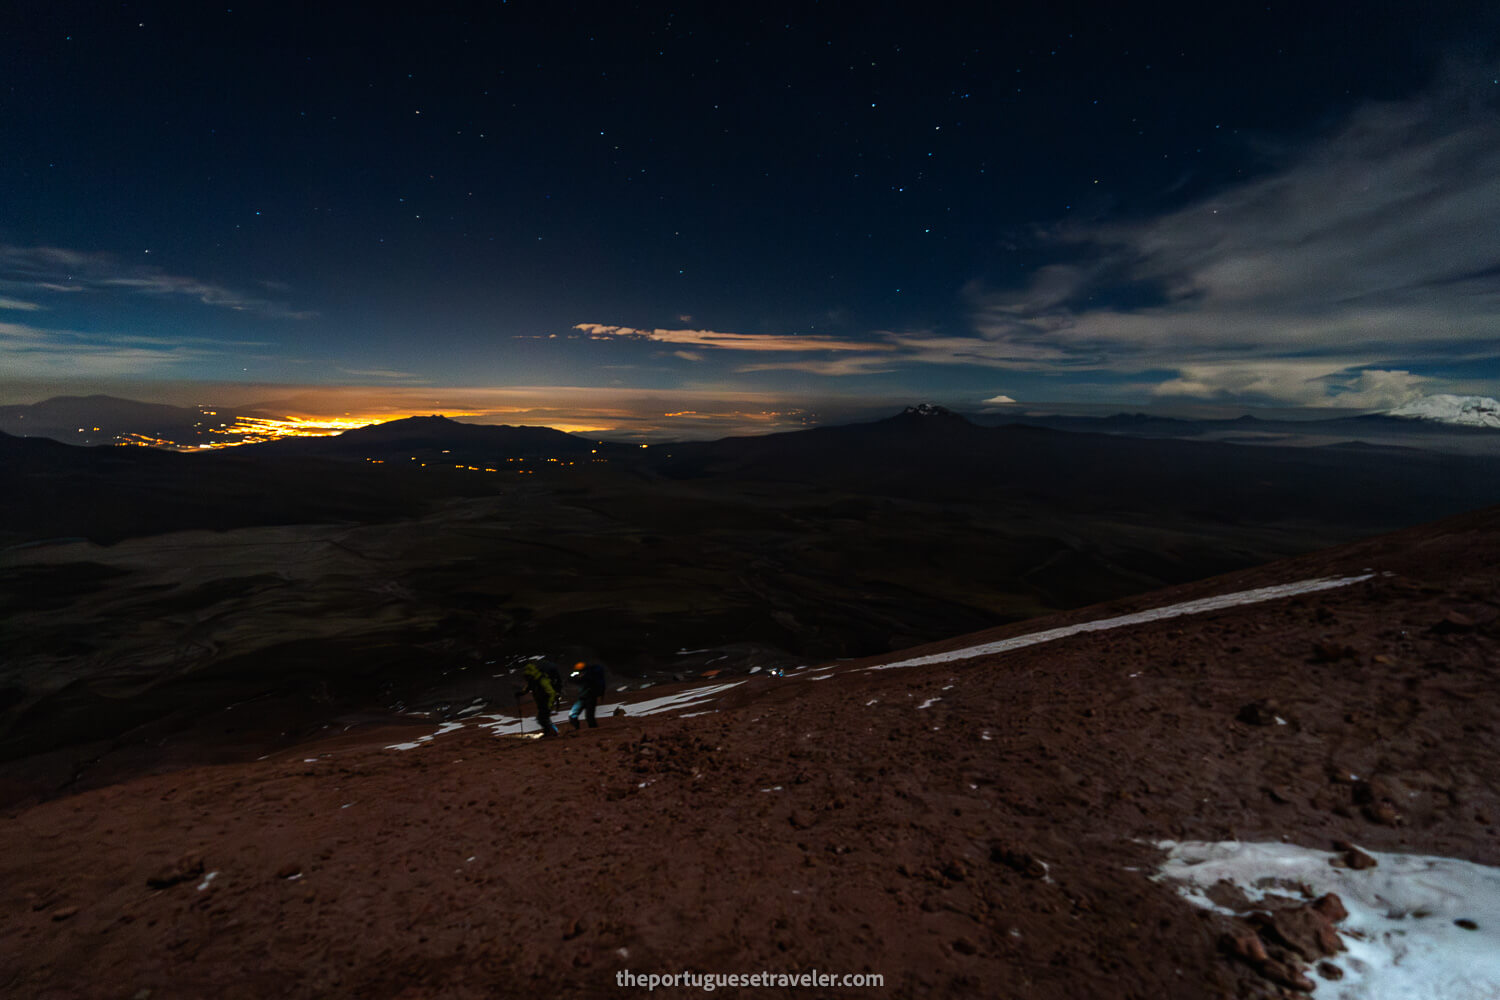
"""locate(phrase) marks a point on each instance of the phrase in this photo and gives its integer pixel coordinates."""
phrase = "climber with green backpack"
(544, 684)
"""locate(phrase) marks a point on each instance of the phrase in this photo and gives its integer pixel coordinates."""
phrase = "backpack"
(550, 672)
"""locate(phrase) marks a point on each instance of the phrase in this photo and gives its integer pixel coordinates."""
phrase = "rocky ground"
(982, 827)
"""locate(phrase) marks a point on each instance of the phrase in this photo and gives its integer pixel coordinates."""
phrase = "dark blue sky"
(1263, 204)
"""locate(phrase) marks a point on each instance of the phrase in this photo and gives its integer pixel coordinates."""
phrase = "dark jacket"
(590, 680)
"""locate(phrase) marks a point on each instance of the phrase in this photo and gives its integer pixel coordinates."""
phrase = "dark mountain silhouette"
(1415, 427)
(926, 453)
(106, 494)
(98, 419)
(72, 419)
(74, 411)
(1375, 428)
(431, 436)
(938, 454)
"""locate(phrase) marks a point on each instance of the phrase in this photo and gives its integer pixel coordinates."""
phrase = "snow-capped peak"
(932, 410)
(1469, 411)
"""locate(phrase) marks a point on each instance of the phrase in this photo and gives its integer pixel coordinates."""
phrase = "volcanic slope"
(984, 825)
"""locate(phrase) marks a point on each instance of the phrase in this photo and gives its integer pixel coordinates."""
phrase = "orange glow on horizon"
(256, 430)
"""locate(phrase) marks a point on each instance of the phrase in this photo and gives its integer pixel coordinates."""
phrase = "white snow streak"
(1197, 607)
(681, 699)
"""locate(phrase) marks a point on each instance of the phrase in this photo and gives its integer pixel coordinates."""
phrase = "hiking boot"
(575, 724)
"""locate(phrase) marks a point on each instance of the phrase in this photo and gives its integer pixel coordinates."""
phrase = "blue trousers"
(585, 706)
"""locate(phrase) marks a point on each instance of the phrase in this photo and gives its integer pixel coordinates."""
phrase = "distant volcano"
(927, 410)
(1466, 411)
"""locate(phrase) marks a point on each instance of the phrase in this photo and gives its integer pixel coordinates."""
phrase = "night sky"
(593, 215)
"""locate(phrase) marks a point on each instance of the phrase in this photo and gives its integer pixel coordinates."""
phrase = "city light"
(256, 430)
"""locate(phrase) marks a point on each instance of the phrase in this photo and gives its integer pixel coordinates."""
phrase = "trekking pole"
(520, 716)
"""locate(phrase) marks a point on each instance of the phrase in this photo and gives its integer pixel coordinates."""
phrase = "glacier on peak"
(1468, 411)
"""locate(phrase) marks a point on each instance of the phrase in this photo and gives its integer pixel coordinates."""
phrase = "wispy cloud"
(1303, 383)
(16, 332)
(727, 341)
(383, 373)
(1374, 249)
(850, 364)
(55, 269)
(892, 351)
(38, 352)
(18, 305)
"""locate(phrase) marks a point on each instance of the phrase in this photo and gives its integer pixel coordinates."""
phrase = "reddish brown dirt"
(993, 844)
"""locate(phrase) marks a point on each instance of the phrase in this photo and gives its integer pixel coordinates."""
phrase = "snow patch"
(446, 727)
(1403, 933)
(682, 699)
(1197, 607)
(510, 725)
(206, 880)
(929, 702)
